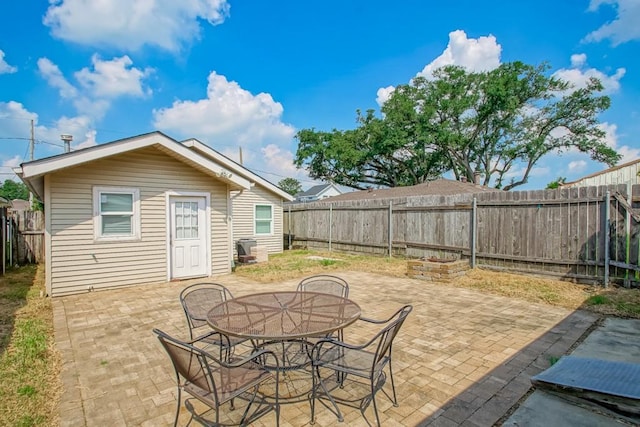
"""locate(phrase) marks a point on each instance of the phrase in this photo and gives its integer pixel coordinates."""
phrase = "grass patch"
(296, 263)
(553, 360)
(293, 264)
(598, 300)
(29, 364)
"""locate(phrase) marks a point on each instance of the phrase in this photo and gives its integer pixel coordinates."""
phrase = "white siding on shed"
(622, 174)
(243, 220)
(79, 263)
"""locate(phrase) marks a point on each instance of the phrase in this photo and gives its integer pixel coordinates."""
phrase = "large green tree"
(290, 185)
(496, 125)
(11, 190)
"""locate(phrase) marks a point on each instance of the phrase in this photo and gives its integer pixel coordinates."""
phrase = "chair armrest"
(375, 321)
(255, 357)
(330, 342)
(223, 337)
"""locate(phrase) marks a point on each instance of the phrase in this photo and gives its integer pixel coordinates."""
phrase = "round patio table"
(282, 322)
(283, 316)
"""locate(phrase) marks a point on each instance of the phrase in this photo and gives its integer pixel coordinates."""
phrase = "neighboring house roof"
(4, 203)
(442, 187)
(316, 191)
(606, 172)
(32, 173)
(236, 167)
(20, 205)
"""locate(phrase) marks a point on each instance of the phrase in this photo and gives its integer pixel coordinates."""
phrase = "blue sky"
(251, 74)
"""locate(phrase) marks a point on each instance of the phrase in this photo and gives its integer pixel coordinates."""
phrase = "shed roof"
(602, 172)
(441, 187)
(32, 173)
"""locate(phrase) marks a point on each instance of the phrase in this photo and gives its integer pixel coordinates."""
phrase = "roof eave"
(31, 171)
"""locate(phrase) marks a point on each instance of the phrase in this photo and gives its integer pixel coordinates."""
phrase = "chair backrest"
(198, 299)
(326, 284)
(388, 333)
(190, 363)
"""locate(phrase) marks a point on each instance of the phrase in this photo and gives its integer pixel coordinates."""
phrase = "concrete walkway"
(462, 357)
(615, 340)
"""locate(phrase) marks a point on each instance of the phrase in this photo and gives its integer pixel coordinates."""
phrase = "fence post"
(474, 231)
(607, 237)
(390, 228)
(330, 223)
(289, 229)
(627, 230)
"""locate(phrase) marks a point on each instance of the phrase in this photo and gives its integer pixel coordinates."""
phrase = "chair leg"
(393, 387)
(375, 406)
(328, 394)
(313, 393)
(175, 422)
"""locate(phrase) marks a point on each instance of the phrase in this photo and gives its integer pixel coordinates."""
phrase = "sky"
(246, 76)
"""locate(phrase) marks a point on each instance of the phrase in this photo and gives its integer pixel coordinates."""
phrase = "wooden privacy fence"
(587, 234)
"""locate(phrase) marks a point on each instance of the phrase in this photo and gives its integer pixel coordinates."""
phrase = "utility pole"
(32, 144)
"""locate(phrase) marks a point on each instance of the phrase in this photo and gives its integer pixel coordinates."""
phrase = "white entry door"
(188, 237)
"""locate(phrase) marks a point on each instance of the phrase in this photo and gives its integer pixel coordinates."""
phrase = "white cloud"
(47, 137)
(579, 75)
(55, 78)
(131, 24)
(80, 127)
(97, 88)
(622, 29)
(5, 68)
(383, 94)
(114, 78)
(228, 116)
(13, 162)
(578, 60)
(611, 139)
(279, 161)
(6, 168)
(88, 141)
(481, 54)
(577, 166)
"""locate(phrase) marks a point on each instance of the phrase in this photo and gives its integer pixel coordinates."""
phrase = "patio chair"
(197, 300)
(366, 362)
(213, 382)
(327, 284)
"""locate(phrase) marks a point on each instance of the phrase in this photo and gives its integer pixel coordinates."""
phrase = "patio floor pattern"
(462, 357)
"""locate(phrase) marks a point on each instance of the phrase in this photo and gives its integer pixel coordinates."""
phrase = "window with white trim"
(116, 213)
(263, 215)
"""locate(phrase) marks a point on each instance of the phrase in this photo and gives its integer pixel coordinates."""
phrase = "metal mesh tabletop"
(283, 315)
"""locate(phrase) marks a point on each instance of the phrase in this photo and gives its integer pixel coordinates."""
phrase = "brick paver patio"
(462, 357)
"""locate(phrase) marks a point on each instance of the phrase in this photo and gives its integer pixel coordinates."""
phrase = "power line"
(278, 175)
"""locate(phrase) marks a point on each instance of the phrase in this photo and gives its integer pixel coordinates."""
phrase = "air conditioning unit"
(243, 246)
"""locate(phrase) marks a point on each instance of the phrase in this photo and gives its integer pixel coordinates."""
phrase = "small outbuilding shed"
(148, 209)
